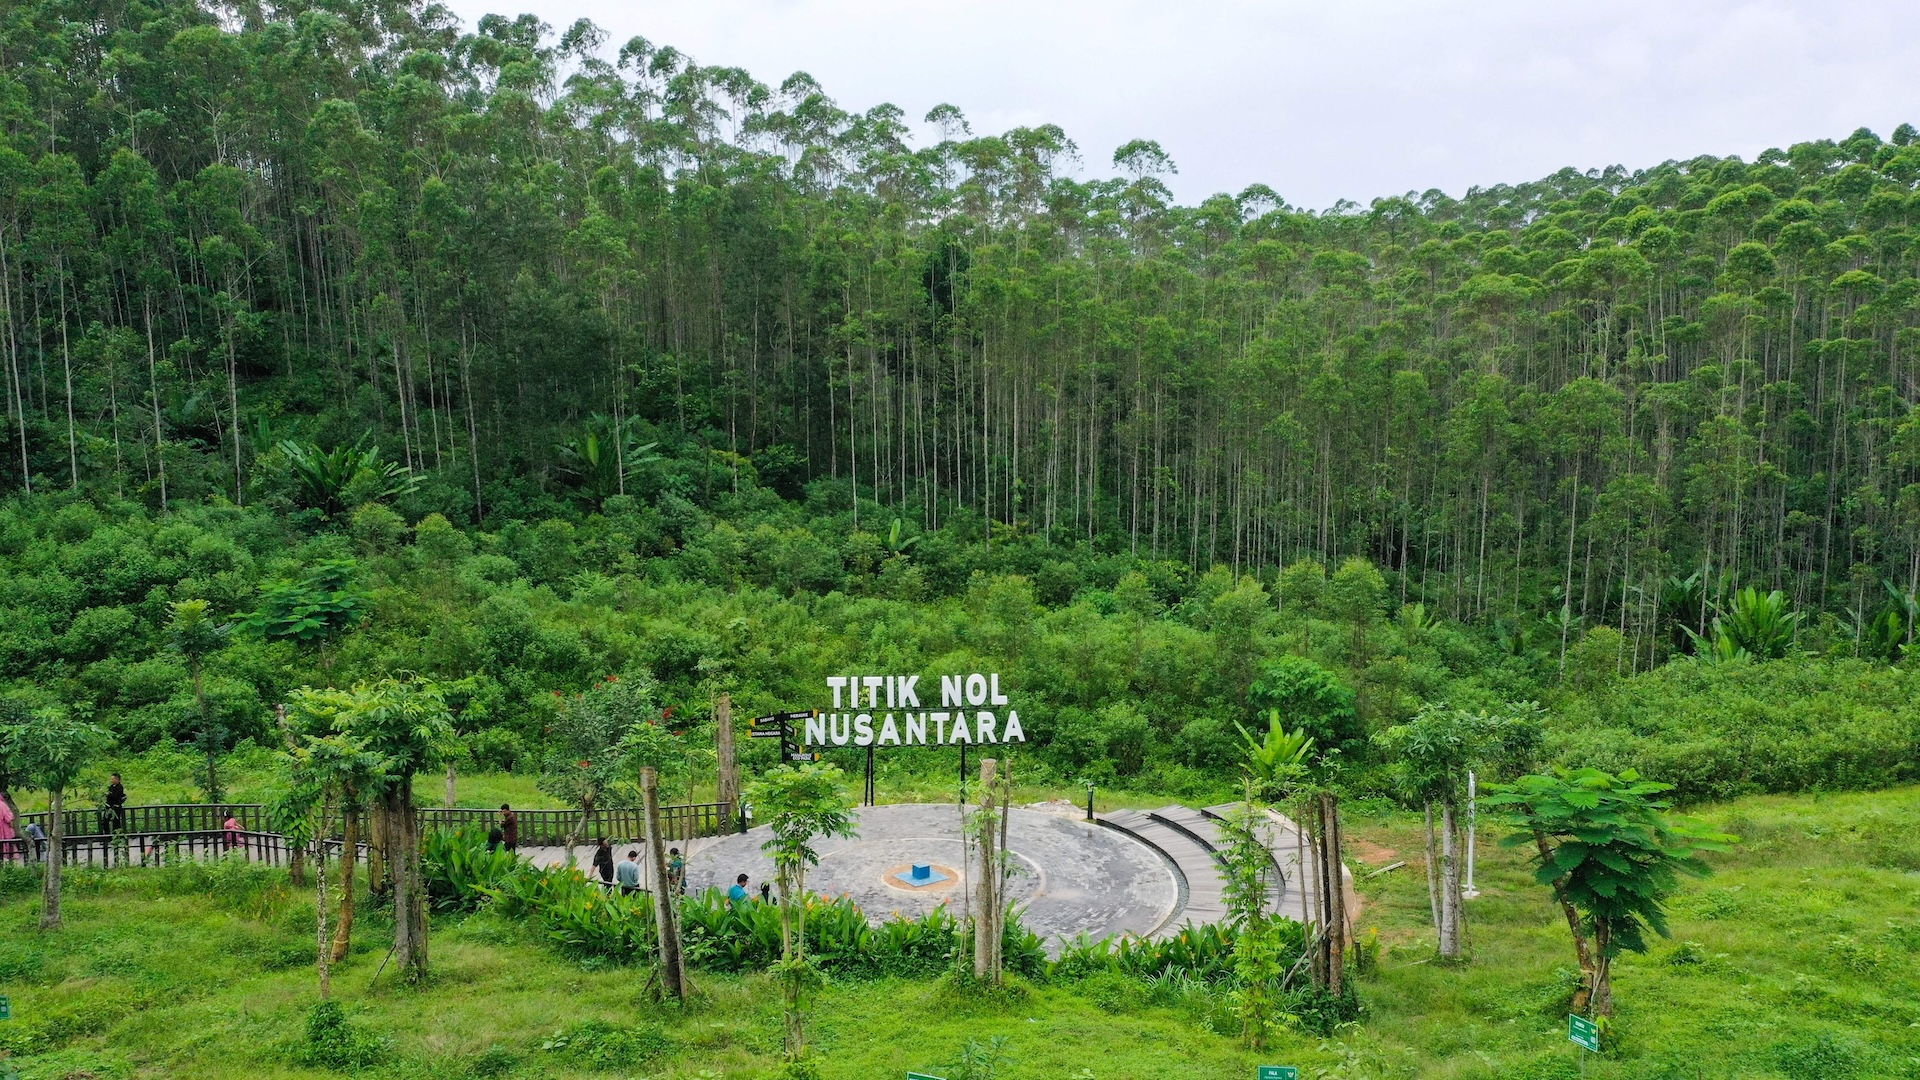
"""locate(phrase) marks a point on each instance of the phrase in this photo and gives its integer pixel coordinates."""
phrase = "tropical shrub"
(459, 869)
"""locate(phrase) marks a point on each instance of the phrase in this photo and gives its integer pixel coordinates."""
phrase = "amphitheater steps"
(1190, 841)
(1202, 899)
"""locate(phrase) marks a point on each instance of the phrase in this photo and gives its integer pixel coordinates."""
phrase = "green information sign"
(6, 1007)
(922, 1076)
(1276, 1072)
(1584, 1031)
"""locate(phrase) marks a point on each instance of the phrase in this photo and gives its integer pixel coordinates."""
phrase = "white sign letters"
(885, 710)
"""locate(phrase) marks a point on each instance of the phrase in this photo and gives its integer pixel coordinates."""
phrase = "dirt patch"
(1060, 807)
(1369, 852)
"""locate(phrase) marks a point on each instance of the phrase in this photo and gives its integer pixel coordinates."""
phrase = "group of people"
(15, 845)
(30, 842)
(625, 874)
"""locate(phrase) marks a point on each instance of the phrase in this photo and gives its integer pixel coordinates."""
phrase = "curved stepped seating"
(1190, 840)
(1192, 859)
(1205, 826)
(1286, 896)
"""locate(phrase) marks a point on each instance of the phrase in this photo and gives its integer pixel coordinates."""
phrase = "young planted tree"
(1259, 946)
(987, 831)
(327, 773)
(1432, 756)
(50, 749)
(1612, 856)
(584, 759)
(195, 636)
(406, 722)
(801, 804)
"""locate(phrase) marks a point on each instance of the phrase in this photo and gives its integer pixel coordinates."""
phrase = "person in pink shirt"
(232, 828)
(6, 830)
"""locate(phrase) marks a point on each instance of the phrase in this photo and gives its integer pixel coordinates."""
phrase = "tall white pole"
(1472, 813)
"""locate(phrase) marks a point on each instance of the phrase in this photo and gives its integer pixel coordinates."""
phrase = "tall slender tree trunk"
(986, 931)
(1450, 944)
(50, 889)
(673, 975)
(409, 899)
(153, 395)
(1582, 953)
(1336, 896)
(349, 851)
(322, 955)
(1601, 1003)
(1433, 869)
(377, 883)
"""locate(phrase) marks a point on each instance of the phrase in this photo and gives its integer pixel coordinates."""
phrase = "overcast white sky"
(1335, 98)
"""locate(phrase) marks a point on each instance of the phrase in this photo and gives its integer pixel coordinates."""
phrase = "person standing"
(116, 805)
(603, 862)
(39, 837)
(231, 827)
(628, 874)
(6, 832)
(737, 896)
(509, 828)
(676, 872)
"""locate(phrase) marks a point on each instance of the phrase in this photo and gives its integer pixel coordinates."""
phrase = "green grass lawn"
(1796, 959)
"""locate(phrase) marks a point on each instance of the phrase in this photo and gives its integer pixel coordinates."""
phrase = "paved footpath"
(1070, 876)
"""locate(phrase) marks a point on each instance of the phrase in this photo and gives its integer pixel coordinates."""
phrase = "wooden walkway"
(152, 835)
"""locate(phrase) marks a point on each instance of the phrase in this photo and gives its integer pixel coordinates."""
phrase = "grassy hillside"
(1796, 959)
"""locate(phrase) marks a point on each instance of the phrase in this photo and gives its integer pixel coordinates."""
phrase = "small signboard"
(6, 1007)
(1277, 1072)
(803, 757)
(1583, 1031)
(923, 1076)
(779, 718)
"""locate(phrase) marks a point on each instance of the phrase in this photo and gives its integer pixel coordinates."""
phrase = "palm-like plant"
(1279, 756)
(598, 464)
(1763, 624)
(327, 480)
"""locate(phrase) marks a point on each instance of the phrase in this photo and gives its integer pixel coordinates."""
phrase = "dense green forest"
(521, 359)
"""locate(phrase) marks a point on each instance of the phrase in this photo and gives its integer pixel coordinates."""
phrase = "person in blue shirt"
(737, 896)
(627, 874)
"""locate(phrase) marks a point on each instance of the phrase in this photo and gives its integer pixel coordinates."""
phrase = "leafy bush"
(332, 1042)
(1817, 1057)
(459, 869)
(597, 1044)
(1723, 730)
(1310, 698)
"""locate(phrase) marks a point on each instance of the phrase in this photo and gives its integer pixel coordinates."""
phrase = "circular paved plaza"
(1070, 876)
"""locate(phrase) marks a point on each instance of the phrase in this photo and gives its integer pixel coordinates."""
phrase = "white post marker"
(1472, 813)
